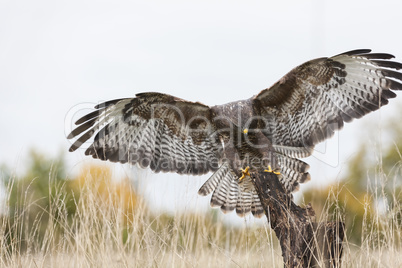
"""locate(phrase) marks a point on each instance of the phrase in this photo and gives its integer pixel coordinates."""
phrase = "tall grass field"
(92, 222)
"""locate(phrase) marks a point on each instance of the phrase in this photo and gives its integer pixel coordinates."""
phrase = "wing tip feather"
(354, 52)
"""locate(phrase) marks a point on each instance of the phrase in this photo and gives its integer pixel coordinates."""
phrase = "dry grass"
(103, 233)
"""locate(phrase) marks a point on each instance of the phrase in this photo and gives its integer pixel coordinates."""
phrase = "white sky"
(57, 57)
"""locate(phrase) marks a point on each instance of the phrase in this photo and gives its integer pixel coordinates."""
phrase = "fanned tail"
(229, 194)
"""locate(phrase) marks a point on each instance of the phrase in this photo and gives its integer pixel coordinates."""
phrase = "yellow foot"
(272, 171)
(244, 173)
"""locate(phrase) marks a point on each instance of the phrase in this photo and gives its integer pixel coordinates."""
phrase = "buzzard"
(270, 131)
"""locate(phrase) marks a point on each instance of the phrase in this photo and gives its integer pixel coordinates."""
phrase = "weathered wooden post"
(304, 242)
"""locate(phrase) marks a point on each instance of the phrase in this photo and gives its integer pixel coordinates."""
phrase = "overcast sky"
(58, 58)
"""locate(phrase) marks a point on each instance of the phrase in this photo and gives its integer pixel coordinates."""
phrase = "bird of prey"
(270, 131)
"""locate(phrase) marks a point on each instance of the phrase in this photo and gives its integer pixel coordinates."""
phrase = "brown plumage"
(276, 127)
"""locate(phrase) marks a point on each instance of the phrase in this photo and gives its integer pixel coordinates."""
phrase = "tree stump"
(304, 242)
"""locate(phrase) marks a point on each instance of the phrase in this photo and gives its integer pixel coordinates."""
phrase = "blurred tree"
(97, 180)
(34, 199)
(42, 201)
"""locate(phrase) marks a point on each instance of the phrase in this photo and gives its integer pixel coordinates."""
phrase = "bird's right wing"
(153, 130)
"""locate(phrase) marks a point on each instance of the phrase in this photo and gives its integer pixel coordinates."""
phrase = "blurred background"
(60, 58)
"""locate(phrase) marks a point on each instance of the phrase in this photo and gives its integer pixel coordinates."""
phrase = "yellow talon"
(245, 131)
(272, 171)
(269, 169)
(244, 173)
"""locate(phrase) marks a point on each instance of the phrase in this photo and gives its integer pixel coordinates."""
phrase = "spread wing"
(313, 100)
(160, 131)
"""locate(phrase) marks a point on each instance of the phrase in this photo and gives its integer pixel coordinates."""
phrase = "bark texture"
(304, 242)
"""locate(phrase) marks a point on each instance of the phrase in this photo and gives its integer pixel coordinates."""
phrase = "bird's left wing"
(157, 130)
(313, 100)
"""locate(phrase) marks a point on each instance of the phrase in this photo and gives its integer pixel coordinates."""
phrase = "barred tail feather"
(231, 197)
(214, 180)
(256, 207)
(293, 172)
(243, 206)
